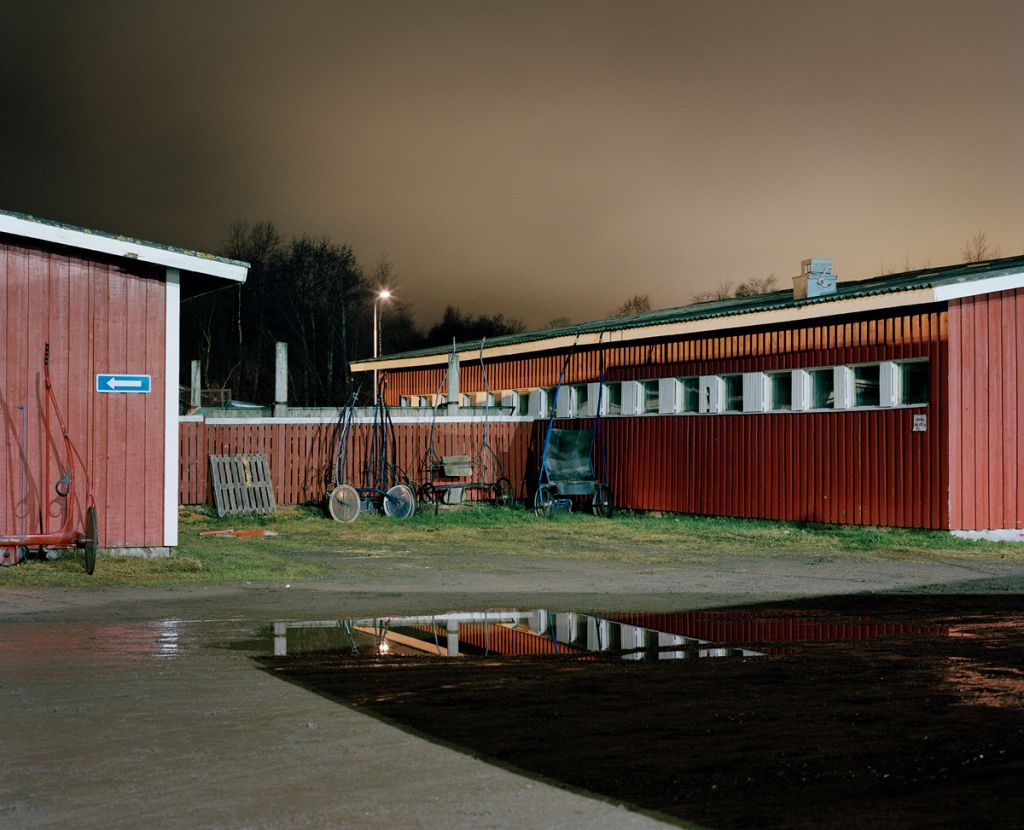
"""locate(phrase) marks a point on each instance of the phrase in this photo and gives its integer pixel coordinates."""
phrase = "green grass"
(476, 538)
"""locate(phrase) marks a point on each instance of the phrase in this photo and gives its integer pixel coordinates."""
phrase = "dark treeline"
(314, 295)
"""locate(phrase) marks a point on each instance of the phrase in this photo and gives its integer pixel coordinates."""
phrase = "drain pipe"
(24, 431)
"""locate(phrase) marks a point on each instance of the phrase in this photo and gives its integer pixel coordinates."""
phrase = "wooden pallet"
(241, 484)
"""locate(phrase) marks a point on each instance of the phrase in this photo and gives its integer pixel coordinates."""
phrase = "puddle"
(500, 633)
(862, 711)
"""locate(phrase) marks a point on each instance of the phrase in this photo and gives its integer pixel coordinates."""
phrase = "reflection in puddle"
(497, 633)
(864, 711)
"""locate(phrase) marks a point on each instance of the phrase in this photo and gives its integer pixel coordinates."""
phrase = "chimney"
(816, 279)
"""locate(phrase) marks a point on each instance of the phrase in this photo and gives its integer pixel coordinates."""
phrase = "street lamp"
(385, 295)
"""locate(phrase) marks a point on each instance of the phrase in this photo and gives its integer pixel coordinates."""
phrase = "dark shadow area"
(881, 710)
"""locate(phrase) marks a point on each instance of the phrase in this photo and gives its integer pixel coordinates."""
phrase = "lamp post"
(383, 294)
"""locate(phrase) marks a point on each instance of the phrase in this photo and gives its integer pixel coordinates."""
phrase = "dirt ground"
(121, 708)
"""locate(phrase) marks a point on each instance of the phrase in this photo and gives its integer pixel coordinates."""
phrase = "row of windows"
(868, 385)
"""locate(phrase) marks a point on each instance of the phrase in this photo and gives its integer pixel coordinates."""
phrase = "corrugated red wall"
(986, 390)
(98, 316)
(854, 338)
(864, 467)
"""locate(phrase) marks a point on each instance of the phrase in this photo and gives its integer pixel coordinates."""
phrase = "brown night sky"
(533, 158)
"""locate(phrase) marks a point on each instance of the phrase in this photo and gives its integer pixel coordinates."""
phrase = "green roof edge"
(776, 300)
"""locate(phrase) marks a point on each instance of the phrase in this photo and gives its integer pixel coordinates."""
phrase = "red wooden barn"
(887, 401)
(109, 308)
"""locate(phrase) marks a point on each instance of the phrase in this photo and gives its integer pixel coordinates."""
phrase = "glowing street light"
(385, 295)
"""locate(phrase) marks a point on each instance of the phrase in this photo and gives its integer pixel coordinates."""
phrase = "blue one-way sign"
(122, 383)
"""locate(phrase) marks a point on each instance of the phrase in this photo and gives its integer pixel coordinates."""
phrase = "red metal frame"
(67, 536)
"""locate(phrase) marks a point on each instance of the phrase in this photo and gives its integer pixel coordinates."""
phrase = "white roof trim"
(128, 248)
(990, 285)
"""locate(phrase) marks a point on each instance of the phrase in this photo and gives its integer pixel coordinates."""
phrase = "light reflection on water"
(497, 633)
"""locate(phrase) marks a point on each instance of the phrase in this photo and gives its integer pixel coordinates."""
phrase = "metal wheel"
(429, 495)
(543, 502)
(504, 495)
(92, 538)
(343, 503)
(602, 504)
(400, 502)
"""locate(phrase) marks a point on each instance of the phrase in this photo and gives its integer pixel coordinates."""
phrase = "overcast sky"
(532, 158)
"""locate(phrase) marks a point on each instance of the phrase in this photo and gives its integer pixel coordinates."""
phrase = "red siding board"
(63, 297)
(986, 375)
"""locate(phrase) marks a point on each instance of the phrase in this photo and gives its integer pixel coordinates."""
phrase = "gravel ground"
(124, 708)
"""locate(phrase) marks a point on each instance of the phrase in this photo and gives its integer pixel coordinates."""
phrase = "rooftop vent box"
(816, 279)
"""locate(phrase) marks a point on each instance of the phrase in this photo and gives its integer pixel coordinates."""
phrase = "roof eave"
(122, 247)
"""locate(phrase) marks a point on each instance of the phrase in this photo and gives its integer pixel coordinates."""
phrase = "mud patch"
(866, 711)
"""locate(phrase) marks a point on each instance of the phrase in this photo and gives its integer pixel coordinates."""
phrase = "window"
(733, 393)
(579, 398)
(691, 394)
(866, 385)
(613, 395)
(780, 391)
(822, 388)
(913, 383)
(650, 396)
(522, 404)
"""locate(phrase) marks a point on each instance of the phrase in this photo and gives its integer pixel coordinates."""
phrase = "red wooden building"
(108, 307)
(887, 401)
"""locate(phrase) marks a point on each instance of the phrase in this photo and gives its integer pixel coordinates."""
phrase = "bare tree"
(978, 248)
(558, 322)
(723, 292)
(637, 304)
(755, 286)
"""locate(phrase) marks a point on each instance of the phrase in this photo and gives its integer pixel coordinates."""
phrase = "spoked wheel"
(400, 502)
(602, 504)
(543, 502)
(504, 495)
(429, 495)
(92, 538)
(343, 503)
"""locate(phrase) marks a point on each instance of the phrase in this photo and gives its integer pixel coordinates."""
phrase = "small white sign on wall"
(920, 423)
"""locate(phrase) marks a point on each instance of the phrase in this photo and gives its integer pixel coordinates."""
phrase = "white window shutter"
(632, 397)
(670, 396)
(843, 381)
(801, 390)
(889, 383)
(565, 402)
(755, 392)
(538, 403)
(595, 391)
(712, 394)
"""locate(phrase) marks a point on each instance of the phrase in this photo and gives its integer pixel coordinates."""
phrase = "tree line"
(316, 296)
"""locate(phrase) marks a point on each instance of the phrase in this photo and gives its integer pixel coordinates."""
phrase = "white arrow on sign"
(120, 384)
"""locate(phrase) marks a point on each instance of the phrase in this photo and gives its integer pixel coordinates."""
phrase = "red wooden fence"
(302, 454)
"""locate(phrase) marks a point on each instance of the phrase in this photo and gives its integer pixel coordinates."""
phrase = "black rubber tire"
(344, 504)
(92, 538)
(504, 493)
(602, 503)
(400, 502)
